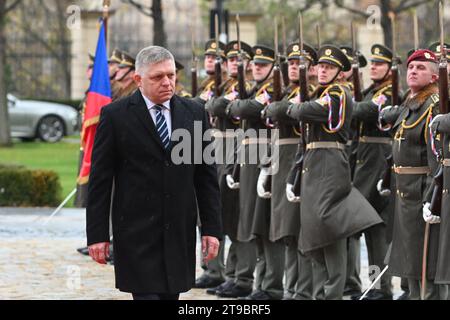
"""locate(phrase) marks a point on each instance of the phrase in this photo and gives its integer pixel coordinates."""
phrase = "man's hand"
(99, 252)
(210, 248)
(381, 191)
(263, 176)
(290, 193)
(230, 182)
(428, 216)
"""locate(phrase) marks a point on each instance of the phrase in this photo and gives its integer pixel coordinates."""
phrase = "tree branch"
(143, 9)
(405, 5)
(340, 4)
(12, 6)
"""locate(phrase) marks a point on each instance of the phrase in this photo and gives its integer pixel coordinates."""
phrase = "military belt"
(446, 162)
(286, 141)
(224, 134)
(411, 170)
(248, 141)
(325, 145)
(381, 140)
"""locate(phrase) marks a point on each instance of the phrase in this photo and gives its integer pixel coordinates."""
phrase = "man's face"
(209, 63)
(261, 71)
(378, 70)
(312, 71)
(157, 81)
(232, 65)
(293, 72)
(121, 72)
(419, 75)
(327, 72)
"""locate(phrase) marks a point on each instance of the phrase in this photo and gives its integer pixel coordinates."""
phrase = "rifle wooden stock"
(356, 82)
(436, 199)
(217, 77)
(276, 83)
(395, 84)
(386, 184)
(285, 73)
(194, 82)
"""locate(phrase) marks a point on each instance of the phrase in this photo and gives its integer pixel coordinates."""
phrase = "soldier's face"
(113, 68)
(121, 72)
(261, 70)
(293, 72)
(378, 70)
(419, 75)
(157, 81)
(232, 65)
(327, 72)
(209, 63)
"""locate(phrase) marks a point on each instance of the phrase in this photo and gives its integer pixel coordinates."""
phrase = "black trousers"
(155, 296)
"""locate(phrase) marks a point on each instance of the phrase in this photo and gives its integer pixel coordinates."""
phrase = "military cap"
(91, 60)
(436, 48)
(263, 54)
(348, 51)
(422, 55)
(127, 61)
(333, 55)
(381, 53)
(293, 52)
(210, 48)
(178, 66)
(116, 56)
(232, 47)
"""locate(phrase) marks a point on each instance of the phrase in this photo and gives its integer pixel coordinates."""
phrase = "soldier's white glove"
(381, 191)
(262, 179)
(290, 195)
(428, 216)
(230, 182)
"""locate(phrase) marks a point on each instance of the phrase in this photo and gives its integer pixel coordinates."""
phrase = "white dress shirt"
(165, 111)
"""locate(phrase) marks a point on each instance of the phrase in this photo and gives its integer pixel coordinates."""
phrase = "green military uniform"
(254, 217)
(414, 165)
(375, 145)
(331, 209)
(240, 254)
(441, 126)
(353, 284)
(207, 87)
(285, 217)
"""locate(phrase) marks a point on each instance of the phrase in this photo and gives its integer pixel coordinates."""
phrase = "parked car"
(48, 121)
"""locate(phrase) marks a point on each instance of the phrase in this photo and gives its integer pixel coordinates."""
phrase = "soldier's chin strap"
(123, 77)
(334, 78)
(268, 75)
(387, 73)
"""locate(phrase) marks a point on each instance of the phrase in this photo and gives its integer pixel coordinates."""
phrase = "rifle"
(436, 199)
(386, 184)
(193, 68)
(284, 64)
(242, 91)
(355, 68)
(319, 42)
(218, 63)
(304, 96)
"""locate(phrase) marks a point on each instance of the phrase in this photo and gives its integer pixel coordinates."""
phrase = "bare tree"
(5, 135)
(386, 6)
(155, 11)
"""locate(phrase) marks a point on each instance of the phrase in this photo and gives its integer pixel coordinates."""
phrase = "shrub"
(20, 187)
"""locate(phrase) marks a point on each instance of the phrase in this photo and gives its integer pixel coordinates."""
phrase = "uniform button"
(167, 226)
(166, 163)
(167, 196)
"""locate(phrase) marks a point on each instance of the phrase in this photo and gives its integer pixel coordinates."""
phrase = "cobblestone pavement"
(39, 259)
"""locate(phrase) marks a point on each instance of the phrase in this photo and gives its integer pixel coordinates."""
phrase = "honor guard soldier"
(236, 271)
(207, 87)
(255, 211)
(331, 209)
(285, 218)
(436, 48)
(374, 146)
(125, 77)
(179, 88)
(415, 163)
(113, 64)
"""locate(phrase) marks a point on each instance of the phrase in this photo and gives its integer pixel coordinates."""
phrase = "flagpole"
(106, 5)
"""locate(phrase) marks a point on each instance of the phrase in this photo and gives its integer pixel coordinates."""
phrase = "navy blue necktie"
(161, 126)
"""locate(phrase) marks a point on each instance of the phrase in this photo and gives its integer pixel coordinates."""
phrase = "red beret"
(422, 55)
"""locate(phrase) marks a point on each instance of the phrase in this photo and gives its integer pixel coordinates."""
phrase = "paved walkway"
(39, 259)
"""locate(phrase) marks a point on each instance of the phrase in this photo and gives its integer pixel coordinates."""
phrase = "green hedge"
(20, 187)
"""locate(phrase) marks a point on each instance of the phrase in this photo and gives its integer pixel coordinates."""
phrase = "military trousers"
(298, 274)
(353, 280)
(241, 262)
(432, 292)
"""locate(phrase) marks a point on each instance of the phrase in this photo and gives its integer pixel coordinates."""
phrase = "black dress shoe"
(224, 286)
(205, 282)
(352, 292)
(84, 251)
(258, 295)
(374, 295)
(235, 292)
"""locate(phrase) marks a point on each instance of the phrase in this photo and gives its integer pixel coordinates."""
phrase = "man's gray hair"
(151, 55)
